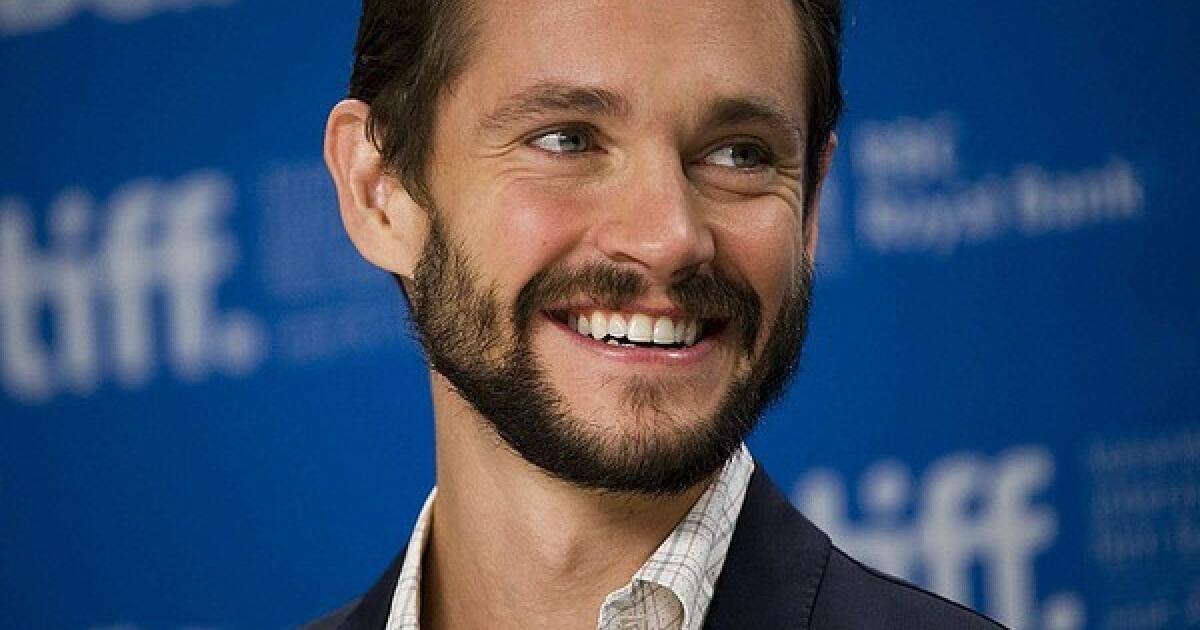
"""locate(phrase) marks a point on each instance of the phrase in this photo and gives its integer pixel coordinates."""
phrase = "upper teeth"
(636, 327)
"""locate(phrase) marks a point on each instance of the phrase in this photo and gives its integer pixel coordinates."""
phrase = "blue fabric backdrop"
(211, 414)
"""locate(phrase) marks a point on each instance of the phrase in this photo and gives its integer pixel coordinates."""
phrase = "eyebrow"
(727, 112)
(554, 98)
(545, 98)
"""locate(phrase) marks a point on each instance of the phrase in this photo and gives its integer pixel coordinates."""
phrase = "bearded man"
(604, 215)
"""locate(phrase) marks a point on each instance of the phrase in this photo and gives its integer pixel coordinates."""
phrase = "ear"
(812, 217)
(383, 221)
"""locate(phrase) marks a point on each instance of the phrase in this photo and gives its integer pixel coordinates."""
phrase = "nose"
(655, 224)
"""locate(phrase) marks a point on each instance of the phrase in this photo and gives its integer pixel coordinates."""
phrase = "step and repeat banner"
(212, 414)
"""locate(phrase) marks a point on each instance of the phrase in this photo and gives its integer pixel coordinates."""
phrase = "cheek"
(763, 245)
(523, 228)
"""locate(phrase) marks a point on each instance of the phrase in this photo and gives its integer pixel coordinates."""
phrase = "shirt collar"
(406, 611)
(689, 561)
(685, 567)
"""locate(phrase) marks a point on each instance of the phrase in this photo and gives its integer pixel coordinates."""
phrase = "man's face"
(617, 273)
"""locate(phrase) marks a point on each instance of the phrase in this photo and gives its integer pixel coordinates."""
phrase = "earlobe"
(812, 220)
(383, 221)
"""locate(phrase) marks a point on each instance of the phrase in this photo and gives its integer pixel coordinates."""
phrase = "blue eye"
(564, 141)
(742, 155)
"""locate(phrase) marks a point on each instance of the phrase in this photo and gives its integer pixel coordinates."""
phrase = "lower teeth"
(613, 341)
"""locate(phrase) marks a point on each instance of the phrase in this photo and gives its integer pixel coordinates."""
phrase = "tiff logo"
(99, 292)
(966, 512)
(30, 16)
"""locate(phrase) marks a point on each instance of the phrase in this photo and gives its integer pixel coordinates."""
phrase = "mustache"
(709, 296)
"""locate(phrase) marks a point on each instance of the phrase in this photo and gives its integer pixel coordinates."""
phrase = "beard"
(484, 351)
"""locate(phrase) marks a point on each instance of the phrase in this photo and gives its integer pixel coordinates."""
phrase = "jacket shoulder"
(855, 596)
(333, 620)
(369, 612)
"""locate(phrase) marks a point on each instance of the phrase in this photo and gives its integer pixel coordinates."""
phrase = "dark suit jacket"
(781, 572)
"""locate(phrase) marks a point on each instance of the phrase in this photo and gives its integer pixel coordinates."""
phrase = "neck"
(511, 545)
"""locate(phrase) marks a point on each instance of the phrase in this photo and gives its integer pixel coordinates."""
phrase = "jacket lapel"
(774, 567)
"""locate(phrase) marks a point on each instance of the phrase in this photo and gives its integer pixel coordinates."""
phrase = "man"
(604, 215)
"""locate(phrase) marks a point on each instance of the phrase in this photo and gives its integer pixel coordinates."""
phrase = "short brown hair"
(409, 51)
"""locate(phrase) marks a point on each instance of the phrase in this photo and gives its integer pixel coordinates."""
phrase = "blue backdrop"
(211, 414)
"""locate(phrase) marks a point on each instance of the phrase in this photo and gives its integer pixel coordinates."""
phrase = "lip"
(673, 357)
(674, 312)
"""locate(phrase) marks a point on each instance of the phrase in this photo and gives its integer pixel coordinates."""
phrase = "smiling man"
(604, 215)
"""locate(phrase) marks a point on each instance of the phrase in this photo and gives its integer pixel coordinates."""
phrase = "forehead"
(661, 54)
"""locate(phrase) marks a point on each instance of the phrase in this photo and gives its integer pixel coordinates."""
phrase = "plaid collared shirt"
(671, 591)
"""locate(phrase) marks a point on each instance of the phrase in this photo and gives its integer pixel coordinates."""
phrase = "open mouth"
(639, 330)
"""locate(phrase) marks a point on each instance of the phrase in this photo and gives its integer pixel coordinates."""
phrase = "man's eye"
(564, 141)
(743, 155)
